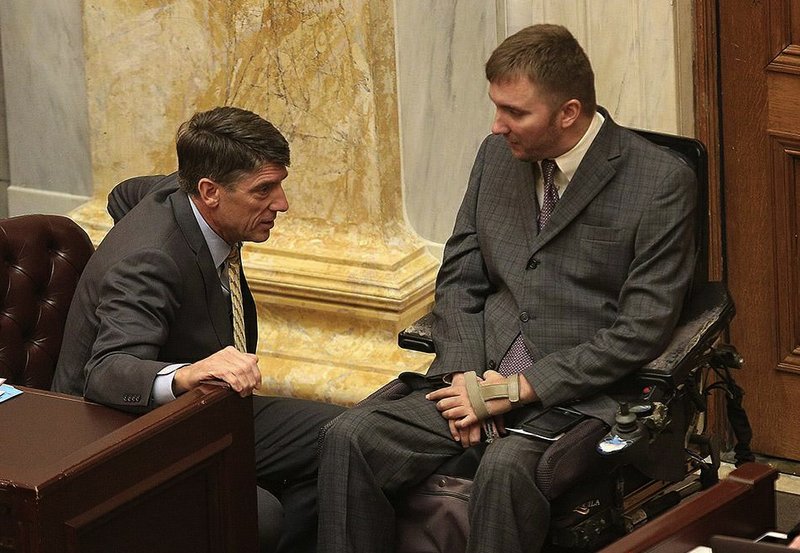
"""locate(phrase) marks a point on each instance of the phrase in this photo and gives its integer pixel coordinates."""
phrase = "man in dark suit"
(567, 269)
(155, 312)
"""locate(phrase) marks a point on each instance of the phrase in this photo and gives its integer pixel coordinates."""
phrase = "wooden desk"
(80, 477)
(741, 505)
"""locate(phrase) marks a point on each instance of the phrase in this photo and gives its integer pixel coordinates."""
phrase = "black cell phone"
(553, 423)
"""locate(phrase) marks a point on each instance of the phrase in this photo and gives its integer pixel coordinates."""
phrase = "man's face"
(527, 120)
(246, 211)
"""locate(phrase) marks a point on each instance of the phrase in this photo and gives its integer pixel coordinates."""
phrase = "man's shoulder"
(497, 144)
(128, 194)
(633, 142)
(494, 149)
(151, 224)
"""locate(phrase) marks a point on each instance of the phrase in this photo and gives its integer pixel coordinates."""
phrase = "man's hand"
(468, 435)
(239, 370)
(454, 405)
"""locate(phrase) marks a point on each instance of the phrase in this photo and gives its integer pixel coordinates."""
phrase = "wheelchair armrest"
(706, 314)
(394, 389)
(418, 335)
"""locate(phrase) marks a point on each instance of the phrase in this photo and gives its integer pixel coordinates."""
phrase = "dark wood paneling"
(759, 62)
(785, 176)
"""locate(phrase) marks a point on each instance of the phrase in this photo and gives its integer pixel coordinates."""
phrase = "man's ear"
(569, 112)
(208, 192)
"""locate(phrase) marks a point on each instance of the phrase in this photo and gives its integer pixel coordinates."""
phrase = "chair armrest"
(708, 311)
(418, 335)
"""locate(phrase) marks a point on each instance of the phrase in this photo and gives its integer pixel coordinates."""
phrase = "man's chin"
(258, 238)
(518, 152)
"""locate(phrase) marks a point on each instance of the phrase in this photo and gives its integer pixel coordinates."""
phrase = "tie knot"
(233, 256)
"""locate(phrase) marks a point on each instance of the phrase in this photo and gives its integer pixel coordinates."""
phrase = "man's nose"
(498, 125)
(280, 202)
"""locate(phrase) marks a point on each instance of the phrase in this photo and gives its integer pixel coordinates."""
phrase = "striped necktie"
(234, 272)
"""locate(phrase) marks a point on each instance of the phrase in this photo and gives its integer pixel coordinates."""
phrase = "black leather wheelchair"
(594, 476)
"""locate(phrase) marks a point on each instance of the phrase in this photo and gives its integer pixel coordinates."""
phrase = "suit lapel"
(594, 172)
(218, 306)
(250, 315)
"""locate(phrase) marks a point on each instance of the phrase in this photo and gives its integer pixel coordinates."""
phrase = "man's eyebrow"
(511, 107)
(505, 105)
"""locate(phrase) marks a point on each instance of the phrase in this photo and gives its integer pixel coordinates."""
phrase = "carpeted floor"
(787, 497)
(787, 507)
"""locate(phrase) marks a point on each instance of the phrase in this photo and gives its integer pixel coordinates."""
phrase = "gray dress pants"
(373, 452)
(286, 452)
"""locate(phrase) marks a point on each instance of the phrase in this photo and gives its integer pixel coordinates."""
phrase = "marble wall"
(444, 108)
(45, 98)
(641, 53)
(342, 271)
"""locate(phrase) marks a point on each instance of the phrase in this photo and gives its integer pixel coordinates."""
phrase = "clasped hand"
(454, 405)
(239, 370)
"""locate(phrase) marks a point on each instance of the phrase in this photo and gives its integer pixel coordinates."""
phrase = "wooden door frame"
(707, 130)
(707, 124)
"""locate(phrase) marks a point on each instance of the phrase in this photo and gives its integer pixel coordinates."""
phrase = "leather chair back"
(42, 259)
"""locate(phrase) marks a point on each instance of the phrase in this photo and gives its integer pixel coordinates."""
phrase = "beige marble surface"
(322, 71)
(342, 271)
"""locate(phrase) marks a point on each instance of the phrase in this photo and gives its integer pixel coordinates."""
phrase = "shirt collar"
(218, 247)
(568, 163)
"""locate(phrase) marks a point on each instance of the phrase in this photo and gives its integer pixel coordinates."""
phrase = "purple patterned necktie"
(550, 198)
(517, 359)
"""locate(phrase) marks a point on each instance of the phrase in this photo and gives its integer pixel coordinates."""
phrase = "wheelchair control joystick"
(626, 438)
(625, 419)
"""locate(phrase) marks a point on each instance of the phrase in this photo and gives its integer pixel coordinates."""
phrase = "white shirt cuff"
(162, 385)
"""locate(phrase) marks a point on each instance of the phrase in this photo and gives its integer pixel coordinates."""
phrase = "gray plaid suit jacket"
(596, 294)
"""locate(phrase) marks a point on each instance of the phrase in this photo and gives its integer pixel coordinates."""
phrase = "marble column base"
(330, 299)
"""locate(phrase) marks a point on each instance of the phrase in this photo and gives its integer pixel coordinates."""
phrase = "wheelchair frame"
(655, 397)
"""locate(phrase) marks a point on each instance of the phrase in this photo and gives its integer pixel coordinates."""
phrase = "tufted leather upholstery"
(42, 259)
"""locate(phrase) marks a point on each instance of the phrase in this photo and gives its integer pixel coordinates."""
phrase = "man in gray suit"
(567, 269)
(152, 316)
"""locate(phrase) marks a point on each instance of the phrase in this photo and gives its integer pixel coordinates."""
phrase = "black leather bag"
(433, 516)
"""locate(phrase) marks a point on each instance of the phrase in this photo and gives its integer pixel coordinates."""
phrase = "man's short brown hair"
(224, 144)
(551, 58)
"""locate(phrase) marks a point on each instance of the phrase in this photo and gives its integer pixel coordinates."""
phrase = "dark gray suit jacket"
(150, 296)
(596, 295)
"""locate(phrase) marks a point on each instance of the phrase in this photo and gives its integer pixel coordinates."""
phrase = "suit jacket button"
(492, 364)
(524, 317)
(532, 263)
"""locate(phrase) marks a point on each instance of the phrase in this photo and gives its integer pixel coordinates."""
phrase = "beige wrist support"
(478, 395)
